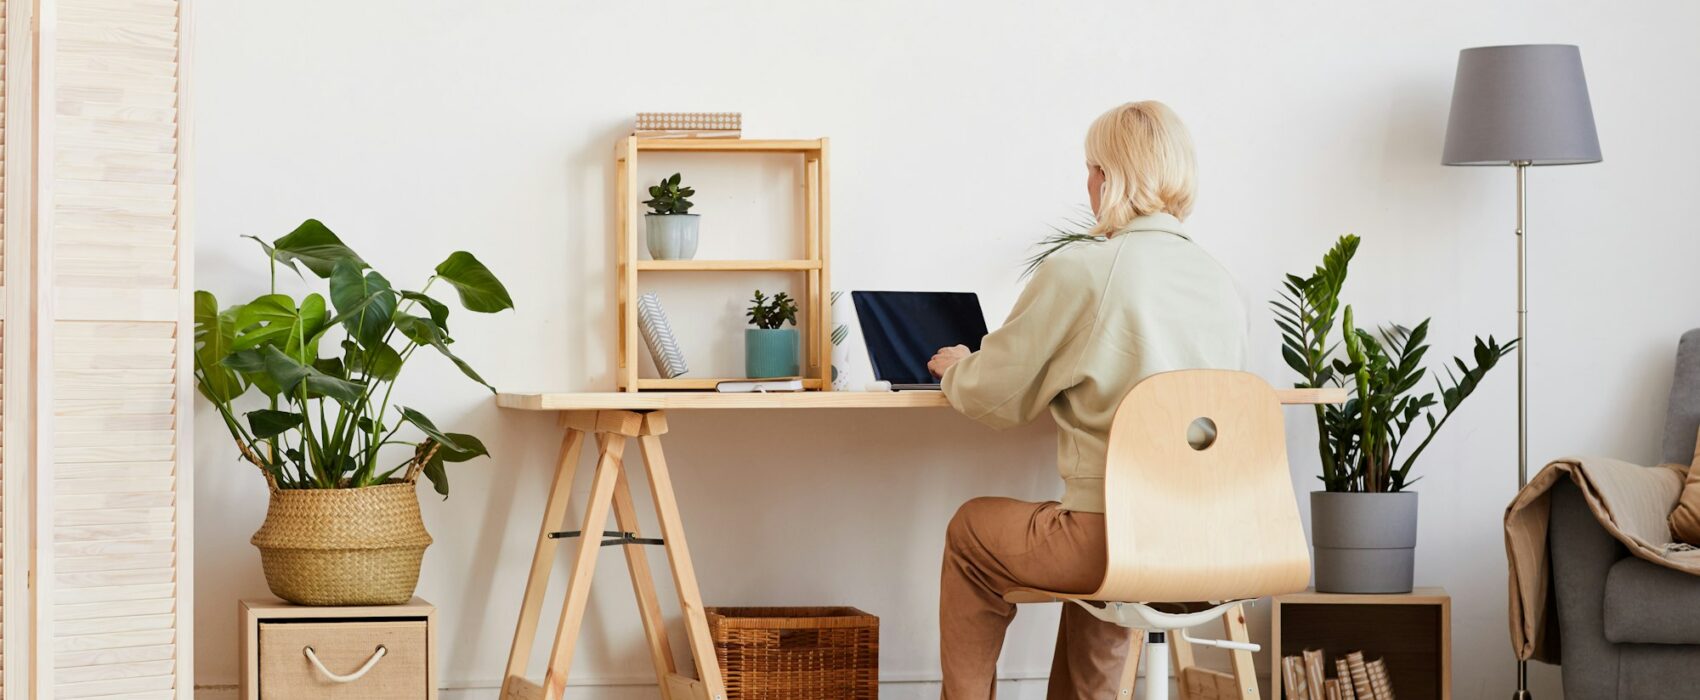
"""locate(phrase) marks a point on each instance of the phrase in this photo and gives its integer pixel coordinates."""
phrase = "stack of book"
(1304, 678)
(674, 125)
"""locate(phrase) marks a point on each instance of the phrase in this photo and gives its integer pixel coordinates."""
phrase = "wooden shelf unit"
(1412, 631)
(815, 303)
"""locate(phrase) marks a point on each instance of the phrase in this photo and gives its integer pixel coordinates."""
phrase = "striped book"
(1380, 680)
(658, 335)
(1360, 676)
(1344, 673)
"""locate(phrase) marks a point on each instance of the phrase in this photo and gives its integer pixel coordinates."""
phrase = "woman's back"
(1096, 319)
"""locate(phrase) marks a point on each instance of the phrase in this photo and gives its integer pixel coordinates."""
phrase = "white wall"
(418, 128)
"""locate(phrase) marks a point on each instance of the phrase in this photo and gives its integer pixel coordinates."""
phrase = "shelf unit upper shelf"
(727, 265)
(814, 265)
(708, 145)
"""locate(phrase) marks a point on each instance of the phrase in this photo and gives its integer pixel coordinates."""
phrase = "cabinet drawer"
(286, 672)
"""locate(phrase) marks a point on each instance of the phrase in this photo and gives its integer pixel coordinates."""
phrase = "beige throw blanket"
(1632, 502)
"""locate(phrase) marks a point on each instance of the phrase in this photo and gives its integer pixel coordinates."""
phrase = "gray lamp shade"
(1521, 103)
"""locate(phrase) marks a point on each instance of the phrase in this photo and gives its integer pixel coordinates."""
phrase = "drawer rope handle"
(377, 655)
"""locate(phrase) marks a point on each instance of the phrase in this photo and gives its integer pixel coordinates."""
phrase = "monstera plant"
(306, 388)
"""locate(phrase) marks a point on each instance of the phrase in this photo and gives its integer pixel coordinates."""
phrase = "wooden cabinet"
(293, 652)
(1411, 631)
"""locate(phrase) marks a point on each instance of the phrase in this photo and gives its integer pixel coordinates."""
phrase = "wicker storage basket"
(343, 546)
(797, 653)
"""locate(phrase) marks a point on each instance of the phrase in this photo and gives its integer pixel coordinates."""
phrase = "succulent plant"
(770, 313)
(669, 198)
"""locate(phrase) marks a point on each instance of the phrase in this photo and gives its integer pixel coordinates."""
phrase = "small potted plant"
(671, 228)
(770, 349)
(1364, 521)
(304, 387)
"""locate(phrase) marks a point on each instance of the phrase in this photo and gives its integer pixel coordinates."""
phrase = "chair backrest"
(1217, 523)
(1682, 419)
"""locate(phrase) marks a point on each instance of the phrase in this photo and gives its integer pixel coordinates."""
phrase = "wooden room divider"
(96, 346)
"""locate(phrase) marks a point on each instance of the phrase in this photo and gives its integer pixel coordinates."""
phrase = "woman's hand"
(946, 358)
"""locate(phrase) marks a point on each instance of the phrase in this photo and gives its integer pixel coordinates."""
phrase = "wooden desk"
(614, 417)
(664, 400)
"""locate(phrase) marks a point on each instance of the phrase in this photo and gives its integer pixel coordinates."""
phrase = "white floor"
(1033, 689)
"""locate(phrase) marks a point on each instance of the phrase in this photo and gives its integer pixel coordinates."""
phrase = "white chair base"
(1157, 626)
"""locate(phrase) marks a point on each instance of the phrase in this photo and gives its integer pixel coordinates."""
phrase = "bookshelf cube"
(1412, 631)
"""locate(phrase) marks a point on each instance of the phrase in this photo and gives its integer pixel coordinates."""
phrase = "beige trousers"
(996, 544)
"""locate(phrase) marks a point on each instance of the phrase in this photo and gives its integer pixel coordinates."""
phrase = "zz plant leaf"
(315, 420)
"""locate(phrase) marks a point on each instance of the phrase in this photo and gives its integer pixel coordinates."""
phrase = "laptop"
(904, 329)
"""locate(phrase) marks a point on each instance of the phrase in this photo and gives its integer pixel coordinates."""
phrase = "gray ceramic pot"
(671, 236)
(1364, 542)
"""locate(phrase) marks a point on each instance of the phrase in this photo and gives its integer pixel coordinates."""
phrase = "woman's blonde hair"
(1146, 155)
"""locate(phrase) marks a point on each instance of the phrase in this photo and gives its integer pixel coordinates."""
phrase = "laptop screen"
(904, 329)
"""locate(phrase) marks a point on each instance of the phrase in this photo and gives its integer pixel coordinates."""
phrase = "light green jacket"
(1095, 319)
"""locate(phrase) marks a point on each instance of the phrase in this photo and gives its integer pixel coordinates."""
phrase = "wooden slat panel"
(118, 383)
(127, 623)
(101, 579)
(11, 565)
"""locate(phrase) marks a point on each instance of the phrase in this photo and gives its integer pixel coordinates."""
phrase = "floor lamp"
(1521, 106)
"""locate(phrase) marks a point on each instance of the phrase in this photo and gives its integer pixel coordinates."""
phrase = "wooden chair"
(1215, 523)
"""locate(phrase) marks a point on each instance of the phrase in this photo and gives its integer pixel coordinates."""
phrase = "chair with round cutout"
(1197, 521)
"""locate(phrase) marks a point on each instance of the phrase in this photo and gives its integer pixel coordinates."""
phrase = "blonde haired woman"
(1096, 318)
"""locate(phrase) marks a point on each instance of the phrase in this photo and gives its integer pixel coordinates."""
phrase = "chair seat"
(1138, 615)
(1649, 604)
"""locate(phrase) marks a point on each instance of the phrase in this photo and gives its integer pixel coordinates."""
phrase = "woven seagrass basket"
(797, 653)
(343, 546)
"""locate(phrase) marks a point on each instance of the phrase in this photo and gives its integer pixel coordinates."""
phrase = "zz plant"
(770, 313)
(1360, 441)
(669, 198)
(325, 369)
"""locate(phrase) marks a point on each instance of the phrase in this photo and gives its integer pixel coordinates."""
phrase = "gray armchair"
(1629, 629)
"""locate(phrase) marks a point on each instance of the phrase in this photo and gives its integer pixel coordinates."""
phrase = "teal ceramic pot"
(671, 236)
(771, 353)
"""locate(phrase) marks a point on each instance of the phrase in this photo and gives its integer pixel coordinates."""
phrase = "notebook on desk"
(904, 329)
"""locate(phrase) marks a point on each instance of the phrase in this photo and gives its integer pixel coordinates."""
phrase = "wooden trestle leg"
(610, 491)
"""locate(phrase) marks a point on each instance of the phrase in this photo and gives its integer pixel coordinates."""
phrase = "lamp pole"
(1522, 168)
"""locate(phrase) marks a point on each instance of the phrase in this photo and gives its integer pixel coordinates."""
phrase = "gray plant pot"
(1364, 542)
(671, 236)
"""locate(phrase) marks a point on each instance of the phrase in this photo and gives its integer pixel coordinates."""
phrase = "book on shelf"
(1304, 677)
(1379, 679)
(1313, 673)
(1344, 673)
(1360, 676)
(1293, 678)
(759, 386)
(659, 125)
(658, 335)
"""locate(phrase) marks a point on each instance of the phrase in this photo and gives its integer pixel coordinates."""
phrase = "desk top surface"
(658, 400)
